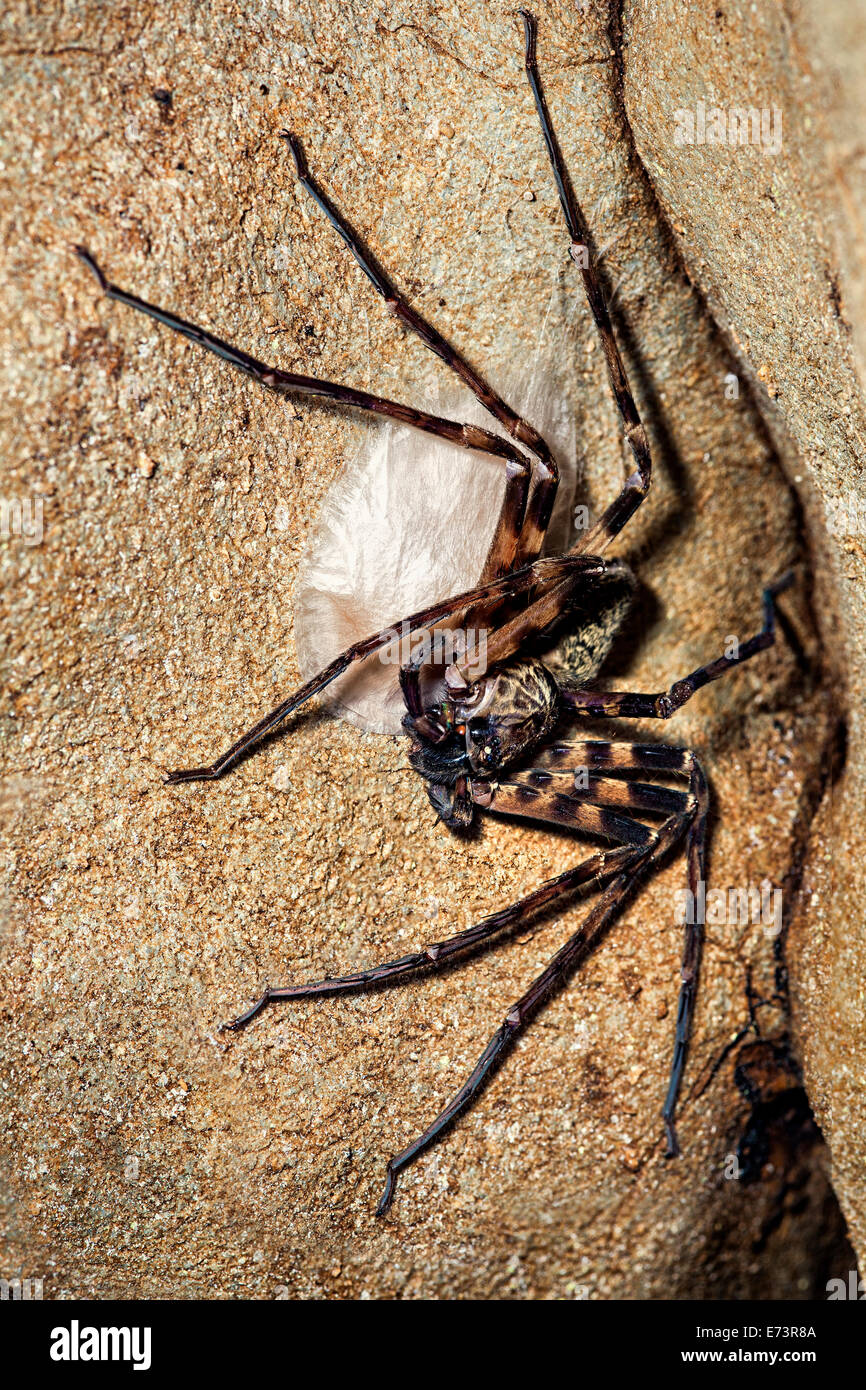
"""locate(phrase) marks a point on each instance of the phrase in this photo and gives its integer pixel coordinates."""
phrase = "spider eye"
(461, 729)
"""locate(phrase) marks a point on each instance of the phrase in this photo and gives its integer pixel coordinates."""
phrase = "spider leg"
(694, 938)
(547, 473)
(591, 929)
(531, 795)
(628, 863)
(583, 880)
(540, 787)
(603, 792)
(619, 757)
(518, 1016)
(518, 470)
(609, 703)
(541, 613)
(657, 758)
(575, 949)
(539, 575)
(611, 522)
(502, 641)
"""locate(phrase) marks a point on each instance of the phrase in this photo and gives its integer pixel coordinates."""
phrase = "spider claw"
(84, 255)
(779, 585)
(298, 156)
(234, 1025)
(388, 1195)
(673, 1148)
(188, 774)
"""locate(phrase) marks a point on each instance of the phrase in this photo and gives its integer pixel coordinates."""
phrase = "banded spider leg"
(518, 470)
(534, 794)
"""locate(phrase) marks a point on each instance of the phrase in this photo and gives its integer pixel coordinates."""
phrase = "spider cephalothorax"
(473, 728)
(466, 738)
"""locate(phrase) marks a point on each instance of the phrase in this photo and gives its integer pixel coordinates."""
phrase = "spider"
(483, 729)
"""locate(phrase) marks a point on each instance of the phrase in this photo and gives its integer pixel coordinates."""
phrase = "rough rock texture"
(776, 242)
(148, 1154)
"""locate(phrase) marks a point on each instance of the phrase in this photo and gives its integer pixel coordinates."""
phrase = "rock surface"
(148, 1154)
(776, 242)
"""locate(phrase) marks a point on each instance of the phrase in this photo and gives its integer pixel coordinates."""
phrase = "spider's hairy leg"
(671, 762)
(583, 880)
(534, 794)
(693, 945)
(611, 522)
(665, 703)
(617, 757)
(543, 612)
(638, 844)
(539, 575)
(518, 470)
(505, 640)
(568, 957)
(538, 793)
(547, 473)
(628, 863)
(517, 1018)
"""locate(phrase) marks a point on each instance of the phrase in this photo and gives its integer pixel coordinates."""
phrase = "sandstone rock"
(147, 1153)
(775, 241)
